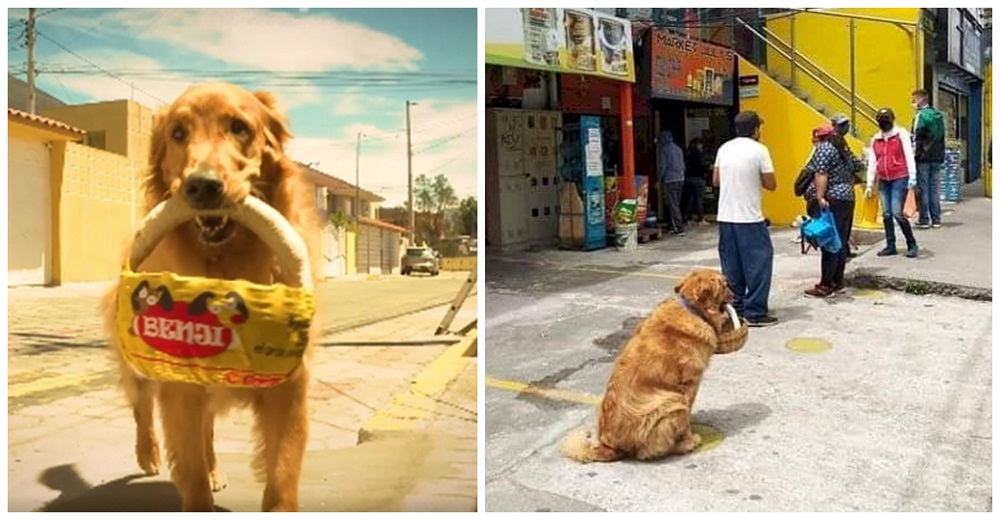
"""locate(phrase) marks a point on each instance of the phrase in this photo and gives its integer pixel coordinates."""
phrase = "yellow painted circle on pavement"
(872, 294)
(711, 436)
(808, 345)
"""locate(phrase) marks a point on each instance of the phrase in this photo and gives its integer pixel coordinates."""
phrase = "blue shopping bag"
(822, 232)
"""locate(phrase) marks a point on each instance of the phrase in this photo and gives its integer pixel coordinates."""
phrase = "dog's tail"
(581, 447)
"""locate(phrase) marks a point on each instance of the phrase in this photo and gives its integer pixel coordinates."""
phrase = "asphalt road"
(895, 413)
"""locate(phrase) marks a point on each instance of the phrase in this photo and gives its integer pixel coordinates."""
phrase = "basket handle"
(265, 221)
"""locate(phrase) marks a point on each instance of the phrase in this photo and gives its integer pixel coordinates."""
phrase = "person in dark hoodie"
(695, 178)
(670, 170)
(928, 151)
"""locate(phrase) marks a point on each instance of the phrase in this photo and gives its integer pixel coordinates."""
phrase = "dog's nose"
(203, 190)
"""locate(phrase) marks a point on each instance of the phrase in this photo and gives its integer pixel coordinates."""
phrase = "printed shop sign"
(690, 70)
(578, 41)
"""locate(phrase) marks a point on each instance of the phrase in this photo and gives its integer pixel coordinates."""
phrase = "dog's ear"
(200, 304)
(135, 295)
(240, 304)
(276, 132)
(166, 301)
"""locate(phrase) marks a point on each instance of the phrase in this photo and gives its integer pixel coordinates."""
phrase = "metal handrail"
(808, 72)
(800, 58)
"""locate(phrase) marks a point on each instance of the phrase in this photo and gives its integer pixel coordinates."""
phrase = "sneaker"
(922, 225)
(886, 252)
(763, 321)
(936, 225)
(678, 232)
(839, 288)
(912, 252)
(819, 291)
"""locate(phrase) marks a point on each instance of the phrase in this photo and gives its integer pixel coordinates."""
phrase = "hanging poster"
(580, 41)
(690, 70)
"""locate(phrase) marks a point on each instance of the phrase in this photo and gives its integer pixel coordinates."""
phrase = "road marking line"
(406, 411)
(711, 436)
(49, 383)
(549, 393)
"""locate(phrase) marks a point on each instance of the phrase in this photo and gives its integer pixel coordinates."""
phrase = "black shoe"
(763, 321)
(912, 251)
(887, 252)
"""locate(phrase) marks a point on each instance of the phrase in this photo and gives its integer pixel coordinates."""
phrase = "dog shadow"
(120, 495)
(733, 419)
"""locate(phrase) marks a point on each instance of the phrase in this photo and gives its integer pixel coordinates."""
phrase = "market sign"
(577, 41)
(690, 70)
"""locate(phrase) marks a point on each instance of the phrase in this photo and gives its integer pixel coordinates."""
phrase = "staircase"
(858, 109)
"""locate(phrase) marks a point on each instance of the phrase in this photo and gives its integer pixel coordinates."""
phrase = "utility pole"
(357, 184)
(31, 60)
(409, 170)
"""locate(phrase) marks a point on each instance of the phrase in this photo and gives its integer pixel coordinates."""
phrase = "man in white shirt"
(742, 167)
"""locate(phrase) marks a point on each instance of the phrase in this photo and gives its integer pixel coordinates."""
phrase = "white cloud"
(353, 101)
(445, 141)
(274, 41)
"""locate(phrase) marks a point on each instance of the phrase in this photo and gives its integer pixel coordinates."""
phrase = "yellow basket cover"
(212, 332)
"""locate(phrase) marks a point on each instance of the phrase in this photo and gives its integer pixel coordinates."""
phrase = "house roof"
(338, 186)
(44, 121)
(382, 224)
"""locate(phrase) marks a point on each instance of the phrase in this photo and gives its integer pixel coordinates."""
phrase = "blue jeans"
(928, 180)
(747, 257)
(893, 195)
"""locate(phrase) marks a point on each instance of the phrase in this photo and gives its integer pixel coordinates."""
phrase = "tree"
(434, 197)
(466, 217)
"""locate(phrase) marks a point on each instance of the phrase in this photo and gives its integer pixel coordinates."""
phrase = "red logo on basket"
(202, 328)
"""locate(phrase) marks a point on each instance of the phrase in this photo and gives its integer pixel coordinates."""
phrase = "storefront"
(958, 93)
(555, 79)
(691, 85)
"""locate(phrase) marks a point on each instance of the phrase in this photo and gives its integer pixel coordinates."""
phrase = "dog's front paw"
(147, 454)
(218, 479)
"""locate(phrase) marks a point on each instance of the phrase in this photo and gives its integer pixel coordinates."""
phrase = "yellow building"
(849, 61)
(69, 204)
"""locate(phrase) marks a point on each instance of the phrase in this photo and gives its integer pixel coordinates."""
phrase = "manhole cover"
(808, 345)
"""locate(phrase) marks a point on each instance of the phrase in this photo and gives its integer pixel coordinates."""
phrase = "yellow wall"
(987, 127)
(351, 240)
(887, 65)
(788, 123)
(458, 263)
(127, 128)
(92, 199)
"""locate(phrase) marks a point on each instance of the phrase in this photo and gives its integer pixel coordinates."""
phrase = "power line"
(449, 161)
(98, 67)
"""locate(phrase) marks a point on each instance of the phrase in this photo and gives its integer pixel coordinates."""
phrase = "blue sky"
(336, 71)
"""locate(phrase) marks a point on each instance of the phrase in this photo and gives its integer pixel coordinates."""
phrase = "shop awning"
(576, 41)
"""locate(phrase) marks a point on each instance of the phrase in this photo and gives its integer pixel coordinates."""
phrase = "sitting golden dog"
(646, 410)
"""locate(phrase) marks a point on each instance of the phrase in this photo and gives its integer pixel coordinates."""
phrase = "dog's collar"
(690, 308)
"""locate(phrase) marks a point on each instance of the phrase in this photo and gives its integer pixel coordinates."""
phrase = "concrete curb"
(865, 279)
(409, 411)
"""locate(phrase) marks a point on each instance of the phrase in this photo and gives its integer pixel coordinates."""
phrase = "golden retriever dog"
(646, 410)
(215, 145)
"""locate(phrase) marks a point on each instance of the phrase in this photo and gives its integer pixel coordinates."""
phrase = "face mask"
(885, 125)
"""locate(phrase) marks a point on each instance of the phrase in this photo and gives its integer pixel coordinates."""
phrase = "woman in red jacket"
(890, 160)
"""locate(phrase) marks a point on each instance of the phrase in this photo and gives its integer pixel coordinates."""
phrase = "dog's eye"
(179, 133)
(238, 127)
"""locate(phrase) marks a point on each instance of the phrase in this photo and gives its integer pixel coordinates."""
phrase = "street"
(71, 435)
(872, 401)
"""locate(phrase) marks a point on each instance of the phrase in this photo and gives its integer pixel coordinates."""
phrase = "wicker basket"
(730, 339)
(215, 332)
